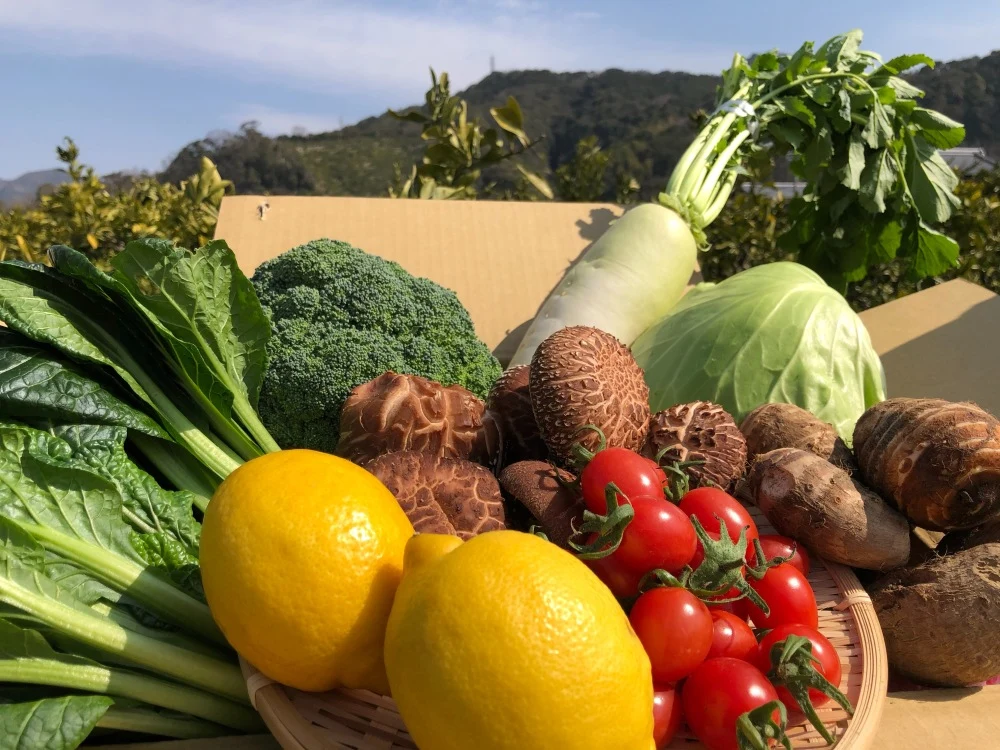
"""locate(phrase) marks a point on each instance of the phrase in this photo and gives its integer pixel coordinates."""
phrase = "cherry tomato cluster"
(710, 669)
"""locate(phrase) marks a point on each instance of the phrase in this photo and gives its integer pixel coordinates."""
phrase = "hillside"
(23, 190)
(642, 119)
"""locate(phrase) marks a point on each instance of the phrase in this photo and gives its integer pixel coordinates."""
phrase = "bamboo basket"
(362, 720)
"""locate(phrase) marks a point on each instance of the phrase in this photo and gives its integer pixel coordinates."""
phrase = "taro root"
(537, 486)
(442, 495)
(818, 504)
(938, 461)
(940, 618)
(773, 426)
(510, 404)
(966, 538)
(406, 412)
(582, 377)
(700, 431)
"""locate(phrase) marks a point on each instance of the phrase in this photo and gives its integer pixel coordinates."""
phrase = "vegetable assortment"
(876, 188)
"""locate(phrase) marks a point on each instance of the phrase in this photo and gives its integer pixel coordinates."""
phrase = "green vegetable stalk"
(875, 184)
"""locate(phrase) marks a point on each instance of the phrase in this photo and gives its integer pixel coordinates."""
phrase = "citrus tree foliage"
(85, 214)
(459, 148)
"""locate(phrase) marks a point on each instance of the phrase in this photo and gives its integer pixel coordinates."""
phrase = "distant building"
(968, 160)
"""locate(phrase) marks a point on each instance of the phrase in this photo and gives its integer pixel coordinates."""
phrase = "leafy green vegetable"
(51, 723)
(77, 513)
(132, 716)
(856, 137)
(26, 657)
(36, 384)
(773, 333)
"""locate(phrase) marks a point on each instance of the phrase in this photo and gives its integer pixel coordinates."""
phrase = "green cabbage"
(773, 333)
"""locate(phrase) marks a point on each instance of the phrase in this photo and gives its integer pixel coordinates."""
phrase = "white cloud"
(342, 47)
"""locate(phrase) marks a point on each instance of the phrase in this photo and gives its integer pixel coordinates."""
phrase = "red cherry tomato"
(658, 536)
(827, 664)
(731, 636)
(775, 545)
(624, 584)
(667, 714)
(633, 474)
(705, 503)
(717, 694)
(675, 629)
(737, 607)
(789, 598)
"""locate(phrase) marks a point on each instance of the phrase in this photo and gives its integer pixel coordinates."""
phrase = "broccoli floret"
(341, 317)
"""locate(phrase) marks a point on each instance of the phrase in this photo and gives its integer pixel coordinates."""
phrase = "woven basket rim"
(294, 732)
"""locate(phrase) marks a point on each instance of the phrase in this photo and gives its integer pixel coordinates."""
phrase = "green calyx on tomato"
(757, 728)
(793, 667)
(582, 455)
(723, 569)
(678, 481)
(606, 530)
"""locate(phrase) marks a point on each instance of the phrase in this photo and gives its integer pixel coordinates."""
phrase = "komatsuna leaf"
(840, 113)
(171, 559)
(151, 509)
(793, 106)
(932, 182)
(51, 723)
(904, 89)
(878, 130)
(877, 180)
(36, 383)
(65, 498)
(937, 129)
(205, 301)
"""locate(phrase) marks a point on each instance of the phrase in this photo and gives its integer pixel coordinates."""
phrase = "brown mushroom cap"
(510, 405)
(700, 431)
(582, 376)
(406, 412)
(442, 495)
(536, 485)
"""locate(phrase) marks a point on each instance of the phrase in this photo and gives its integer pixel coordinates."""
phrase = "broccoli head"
(341, 317)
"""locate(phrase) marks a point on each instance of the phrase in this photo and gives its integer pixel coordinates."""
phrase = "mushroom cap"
(700, 431)
(442, 495)
(582, 376)
(396, 412)
(509, 402)
(536, 485)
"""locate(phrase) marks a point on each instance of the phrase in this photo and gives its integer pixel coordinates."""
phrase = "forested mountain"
(643, 120)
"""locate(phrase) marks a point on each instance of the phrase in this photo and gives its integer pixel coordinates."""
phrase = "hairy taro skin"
(397, 412)
(699, 431)
(940, 618)
(807, 498)
(509, 402)
(582, 376)
(938, 461)
(537, 486)
(442, 495)
(773, 426)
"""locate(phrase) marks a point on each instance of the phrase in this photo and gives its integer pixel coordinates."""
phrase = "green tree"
(583, 177)
(459, 148)
(84, 214)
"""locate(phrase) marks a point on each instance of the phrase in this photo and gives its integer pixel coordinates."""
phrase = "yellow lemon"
(301, 554)
(507, 642)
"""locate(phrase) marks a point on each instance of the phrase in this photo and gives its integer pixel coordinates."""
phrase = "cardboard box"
(502, 259)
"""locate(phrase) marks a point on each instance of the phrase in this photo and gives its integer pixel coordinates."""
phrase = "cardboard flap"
(501, 258)
(939, 343)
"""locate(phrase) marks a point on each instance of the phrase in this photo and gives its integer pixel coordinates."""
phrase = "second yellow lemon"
(301, 553)
(507, 642)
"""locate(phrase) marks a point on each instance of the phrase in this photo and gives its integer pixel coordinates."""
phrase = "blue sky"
(132, 82)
